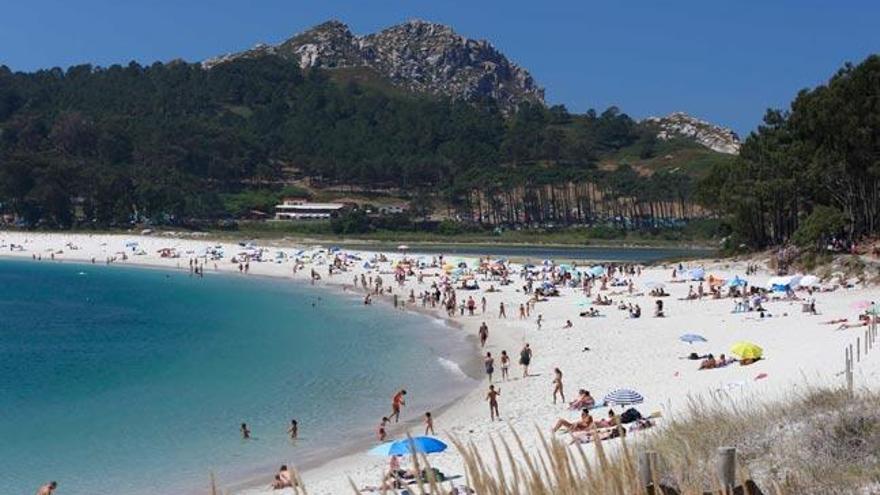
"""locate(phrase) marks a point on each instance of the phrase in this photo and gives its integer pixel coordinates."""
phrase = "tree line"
(809, 174)
(172, 142)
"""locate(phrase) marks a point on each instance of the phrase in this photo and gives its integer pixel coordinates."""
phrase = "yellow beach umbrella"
(747, 350)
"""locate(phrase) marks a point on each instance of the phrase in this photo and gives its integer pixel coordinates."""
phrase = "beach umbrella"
(623, 397)
(597, 271)
(690, 338)
(409, 446)
(402, 247)
(747, 350)
(737, 282)
(696, 274)
(655, 285)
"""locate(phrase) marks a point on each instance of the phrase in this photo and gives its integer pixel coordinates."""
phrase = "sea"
(135, 381)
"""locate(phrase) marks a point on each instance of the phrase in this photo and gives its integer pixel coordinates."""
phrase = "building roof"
(312, 206)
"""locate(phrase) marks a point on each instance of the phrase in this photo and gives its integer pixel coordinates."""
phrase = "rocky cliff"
(417, 55)
(680, 124)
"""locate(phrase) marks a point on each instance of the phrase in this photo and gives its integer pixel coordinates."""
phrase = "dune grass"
(818, 441)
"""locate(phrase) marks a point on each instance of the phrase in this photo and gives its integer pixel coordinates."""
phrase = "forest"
(173, 143)
(810, 174)
(176, 144)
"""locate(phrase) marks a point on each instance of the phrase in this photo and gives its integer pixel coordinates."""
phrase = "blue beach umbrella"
(409, 446)
(623, 397)
(690, 338)
(597, 271)
(737, 282)
(696, 274)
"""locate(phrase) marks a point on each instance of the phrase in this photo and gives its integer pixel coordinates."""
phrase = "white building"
(302, 210)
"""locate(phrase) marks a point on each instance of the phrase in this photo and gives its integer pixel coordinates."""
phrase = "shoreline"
(469, 367)
(642, 354)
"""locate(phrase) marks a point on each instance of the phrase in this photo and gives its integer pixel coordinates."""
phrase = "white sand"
(642, 354)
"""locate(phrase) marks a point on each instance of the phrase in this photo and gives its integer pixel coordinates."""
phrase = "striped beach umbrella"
(623, 397)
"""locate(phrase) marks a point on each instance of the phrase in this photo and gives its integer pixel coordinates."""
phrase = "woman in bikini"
(557, 385)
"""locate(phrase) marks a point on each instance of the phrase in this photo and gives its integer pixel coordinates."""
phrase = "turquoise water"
(125, 380)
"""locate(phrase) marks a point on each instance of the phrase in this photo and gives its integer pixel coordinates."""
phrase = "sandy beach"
(644, 354)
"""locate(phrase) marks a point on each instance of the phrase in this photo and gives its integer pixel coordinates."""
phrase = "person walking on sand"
(48, 488)
(396, 403)
(522, 312)
(381, 433)
(484, 334)
(557, 385)
(505, 364)
(483, 302)
(525, 357)
(540, 321)
(293, 431)
(245, 432)
(489, 362)
(429, 424)
(501, 313)
(492, 397)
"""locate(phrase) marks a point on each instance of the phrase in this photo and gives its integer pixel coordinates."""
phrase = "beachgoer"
(708, 363)
(540, 321)
(284, 476)
(505, 364)
(525, 357)
(396, 403)
(501, 313)
(293, 431)
(380, 431)
(245, 432)
(557, 385)
(429, 424)
(492, 397)
(568, 324)
(584, 400)
(484, 334)
(489, 362)
(583, 424)
(48, 488)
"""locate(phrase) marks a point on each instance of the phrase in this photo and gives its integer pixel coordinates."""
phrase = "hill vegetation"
(177, 143)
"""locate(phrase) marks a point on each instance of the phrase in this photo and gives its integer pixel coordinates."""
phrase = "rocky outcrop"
(417, 55)
(680, 124)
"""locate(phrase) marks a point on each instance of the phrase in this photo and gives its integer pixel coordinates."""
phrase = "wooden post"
(647, 468)
(727, 468)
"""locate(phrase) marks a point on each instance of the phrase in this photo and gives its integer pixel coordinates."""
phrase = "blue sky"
(725, 61)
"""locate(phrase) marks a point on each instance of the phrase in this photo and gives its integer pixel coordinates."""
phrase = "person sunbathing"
(590, 313)
(709, 363)
(584, 401)
(583, 424)
(611, 420)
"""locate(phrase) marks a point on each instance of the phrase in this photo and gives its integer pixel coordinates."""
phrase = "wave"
(452, 367)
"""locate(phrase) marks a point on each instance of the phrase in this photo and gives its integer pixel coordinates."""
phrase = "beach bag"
(630, 415)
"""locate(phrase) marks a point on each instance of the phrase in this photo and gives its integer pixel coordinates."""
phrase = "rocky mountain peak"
(418, 55)
(680, 124)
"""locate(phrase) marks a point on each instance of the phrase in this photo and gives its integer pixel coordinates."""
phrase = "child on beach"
(396, 403)
(429, 424)
(505, 364)
(380, 432)
(492, 397)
